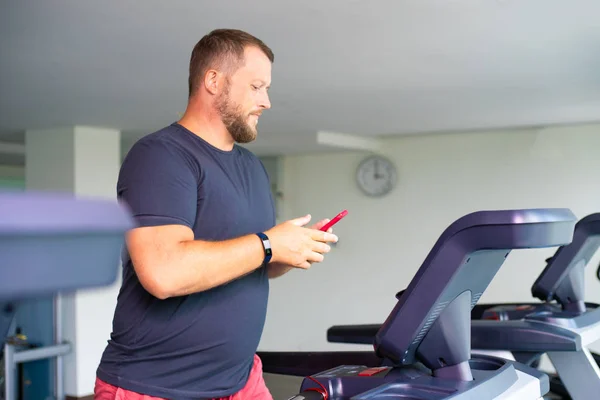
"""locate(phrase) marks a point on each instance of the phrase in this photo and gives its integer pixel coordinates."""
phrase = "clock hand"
(377, 174)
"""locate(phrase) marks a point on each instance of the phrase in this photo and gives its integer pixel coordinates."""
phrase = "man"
(192, 304)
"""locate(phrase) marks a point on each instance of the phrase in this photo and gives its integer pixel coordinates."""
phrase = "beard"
(234, 119)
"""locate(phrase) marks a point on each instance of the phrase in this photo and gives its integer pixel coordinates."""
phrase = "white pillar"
(84, 161)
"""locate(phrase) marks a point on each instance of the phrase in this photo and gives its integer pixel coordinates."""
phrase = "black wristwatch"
(266, 246)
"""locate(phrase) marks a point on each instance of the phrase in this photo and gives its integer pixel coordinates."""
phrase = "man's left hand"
(275, 270)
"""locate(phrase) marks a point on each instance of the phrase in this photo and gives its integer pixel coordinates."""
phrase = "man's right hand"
(294, 245)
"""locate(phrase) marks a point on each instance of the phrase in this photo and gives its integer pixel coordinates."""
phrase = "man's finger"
(323, 248)
(321, 236)
(321, 223)
(315, 257)
(305, 265)
(302, 220)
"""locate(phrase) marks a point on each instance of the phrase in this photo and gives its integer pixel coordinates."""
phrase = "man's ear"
(211, 81)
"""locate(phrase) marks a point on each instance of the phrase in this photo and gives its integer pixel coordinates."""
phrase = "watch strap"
(266, 246)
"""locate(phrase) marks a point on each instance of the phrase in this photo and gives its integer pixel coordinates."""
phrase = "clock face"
(376, 176)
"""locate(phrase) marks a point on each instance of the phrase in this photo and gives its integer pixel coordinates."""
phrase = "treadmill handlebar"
(452, 278)
(355, 334)
(46, 213)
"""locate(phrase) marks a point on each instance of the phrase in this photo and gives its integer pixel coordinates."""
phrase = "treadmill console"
(432, 319)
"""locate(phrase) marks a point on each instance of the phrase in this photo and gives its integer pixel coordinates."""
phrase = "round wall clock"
(376, 176)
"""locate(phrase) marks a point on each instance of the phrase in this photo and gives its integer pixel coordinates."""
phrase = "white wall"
(384, 241)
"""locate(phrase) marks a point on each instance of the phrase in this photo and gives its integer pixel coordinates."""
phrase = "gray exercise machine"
(52, 243)
(563, 326)
(425, 343)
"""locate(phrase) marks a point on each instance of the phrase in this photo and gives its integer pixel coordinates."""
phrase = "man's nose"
(264, 101)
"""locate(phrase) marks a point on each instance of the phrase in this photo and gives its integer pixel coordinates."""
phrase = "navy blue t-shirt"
(200, 345)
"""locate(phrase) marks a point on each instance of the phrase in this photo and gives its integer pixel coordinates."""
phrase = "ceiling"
(376, 67)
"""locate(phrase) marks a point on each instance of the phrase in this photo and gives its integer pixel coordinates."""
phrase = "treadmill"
(561, 326)
(424, 346)
(52, 243)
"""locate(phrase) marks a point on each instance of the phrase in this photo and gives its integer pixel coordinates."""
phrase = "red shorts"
(255, 389)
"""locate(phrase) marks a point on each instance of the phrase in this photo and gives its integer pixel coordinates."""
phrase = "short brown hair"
(221, 48)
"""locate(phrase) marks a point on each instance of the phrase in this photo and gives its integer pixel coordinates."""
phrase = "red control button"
(372, 371)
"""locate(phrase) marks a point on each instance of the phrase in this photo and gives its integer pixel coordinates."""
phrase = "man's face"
(245, 96)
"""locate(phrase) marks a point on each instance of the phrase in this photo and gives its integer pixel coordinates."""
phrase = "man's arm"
(169, 262)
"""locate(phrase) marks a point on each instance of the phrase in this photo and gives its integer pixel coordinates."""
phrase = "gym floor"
(282, 386)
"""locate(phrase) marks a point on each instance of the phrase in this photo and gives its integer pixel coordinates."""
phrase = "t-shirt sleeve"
(159, 184)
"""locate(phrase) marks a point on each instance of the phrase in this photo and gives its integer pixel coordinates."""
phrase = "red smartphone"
(334, 221)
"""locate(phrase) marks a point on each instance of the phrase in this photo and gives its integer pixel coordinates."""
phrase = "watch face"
(376, 176)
